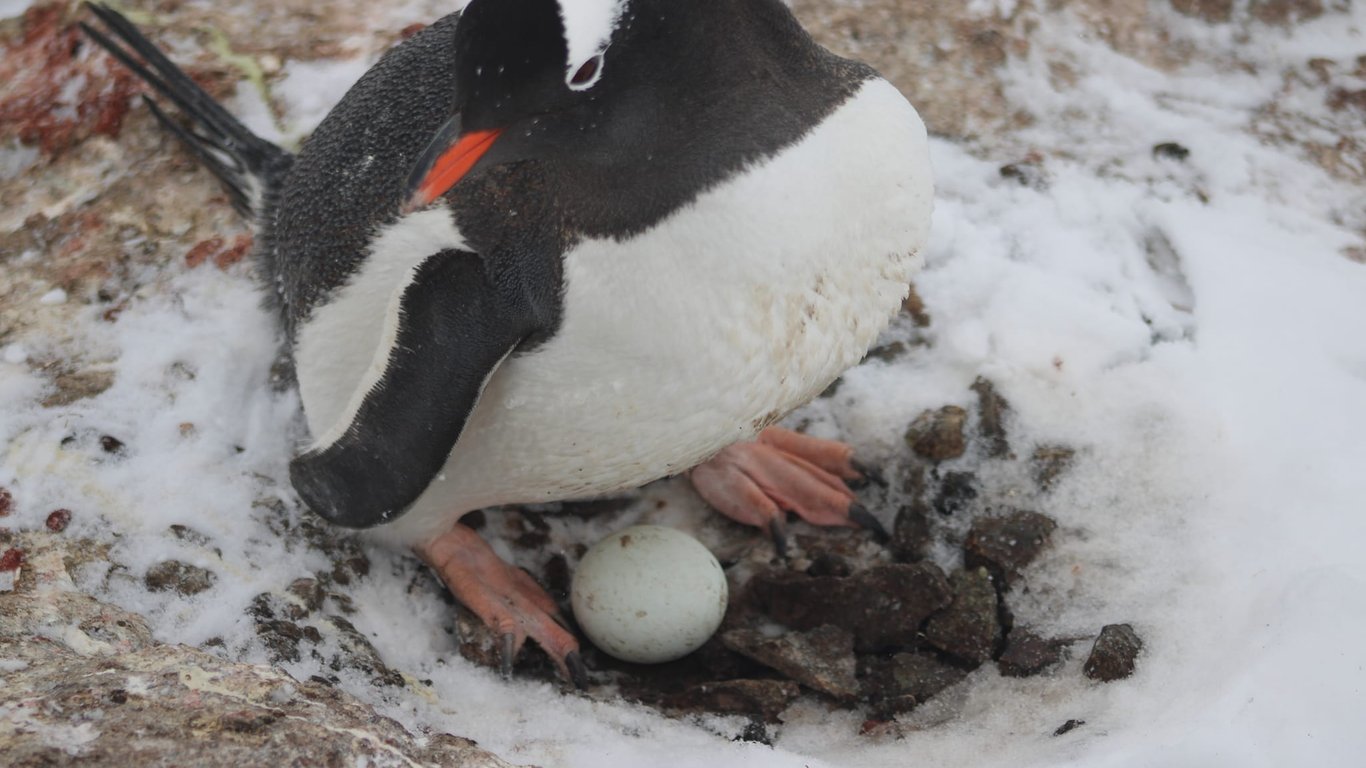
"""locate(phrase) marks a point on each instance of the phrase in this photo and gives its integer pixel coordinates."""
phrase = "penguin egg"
(649, 594)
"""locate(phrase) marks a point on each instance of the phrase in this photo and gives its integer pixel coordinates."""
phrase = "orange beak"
(449, 167)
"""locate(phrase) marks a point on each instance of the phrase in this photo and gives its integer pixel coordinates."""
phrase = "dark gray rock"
(911, 533)
(821, 659)
(1114, 654)
(1048, 462)
(1028, 654)
(899, 682)
(883, 606)
(991, 415)
(1004, 545)
(956, 491)
(765, 699)
(968, 628)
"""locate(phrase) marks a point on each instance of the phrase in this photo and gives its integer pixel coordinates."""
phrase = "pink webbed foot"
(757, 482)
(505, 597)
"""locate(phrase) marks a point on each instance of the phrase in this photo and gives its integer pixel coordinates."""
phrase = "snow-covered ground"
(1192, 326)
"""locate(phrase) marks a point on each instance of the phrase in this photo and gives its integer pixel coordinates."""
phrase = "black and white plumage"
(675, 232)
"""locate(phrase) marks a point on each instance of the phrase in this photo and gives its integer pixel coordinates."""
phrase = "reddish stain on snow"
(56, 87)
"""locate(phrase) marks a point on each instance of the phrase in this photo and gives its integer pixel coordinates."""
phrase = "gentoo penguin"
(547, 249)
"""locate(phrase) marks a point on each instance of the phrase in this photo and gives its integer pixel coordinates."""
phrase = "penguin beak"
(448, 157)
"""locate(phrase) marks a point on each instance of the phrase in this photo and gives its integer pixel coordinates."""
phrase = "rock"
(1067, 726)
(883, 606)
(114, 696)
(765, 699)
(79, 385)
(911, 533)
(887, 352)
(991, 414)
(1027, 173)
(821, 659)
(1005, 545)
(955, 491)
(6, 502)
(359, 654)
(828, 564)
(968, 628)
(914, 306)
(900, 682)
(1048, 462)
(310, 596)
(938, 435)
(1213, 11)
(1028, 654)
(58, 520)
(1285, 11)
(183, 578)
(1113, 655)
(1171, 151)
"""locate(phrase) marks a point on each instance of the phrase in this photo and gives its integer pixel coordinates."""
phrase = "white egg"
(649, 594)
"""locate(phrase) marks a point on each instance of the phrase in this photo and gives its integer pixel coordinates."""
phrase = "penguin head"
(522, 68)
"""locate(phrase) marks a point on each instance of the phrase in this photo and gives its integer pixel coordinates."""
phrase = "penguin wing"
(455, 325)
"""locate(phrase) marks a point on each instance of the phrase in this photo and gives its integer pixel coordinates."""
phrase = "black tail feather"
(249, 167)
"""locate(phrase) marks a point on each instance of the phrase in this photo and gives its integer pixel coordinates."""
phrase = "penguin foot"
(505, 597)
(756, 482)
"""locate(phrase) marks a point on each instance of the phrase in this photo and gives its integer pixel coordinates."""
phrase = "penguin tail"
(250, 168)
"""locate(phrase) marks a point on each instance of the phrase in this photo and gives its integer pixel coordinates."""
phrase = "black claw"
(578, 673)
(870, 474)
(778, 530)
(860, 514)
(506, 645)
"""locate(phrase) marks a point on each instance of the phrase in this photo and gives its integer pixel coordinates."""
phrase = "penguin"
(549, 249)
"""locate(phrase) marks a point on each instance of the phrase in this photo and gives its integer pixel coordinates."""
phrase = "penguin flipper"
(454, 327)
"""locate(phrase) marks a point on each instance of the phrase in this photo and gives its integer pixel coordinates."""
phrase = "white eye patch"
(588, 26)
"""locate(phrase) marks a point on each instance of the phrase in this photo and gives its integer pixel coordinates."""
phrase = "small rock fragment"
(1286, 11)
(183, 578)
(310, 595)
(915, 307)
(911, 533)
(358, 653)
(1028, 654)
(883, 606)
(1027, 173)
(938, 435)
(1213, 11)
(898, 683)
(828, 564)
(1171, 150)
(1005, 545)
(1048, 462)
(1113, 655)
(765, 699)
(111, 444)
(71, 387)
(6, 502)
(968, 628)
(1067, 726)
(887, 352)
(822, 659)
(991, 413)
(58, 519)
(955, 491)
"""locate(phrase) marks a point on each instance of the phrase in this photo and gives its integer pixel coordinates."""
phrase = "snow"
(1191, 327)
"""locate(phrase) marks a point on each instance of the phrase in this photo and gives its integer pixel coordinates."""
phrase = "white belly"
(698, 333)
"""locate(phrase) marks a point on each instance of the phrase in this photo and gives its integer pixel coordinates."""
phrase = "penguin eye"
(587, 74)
